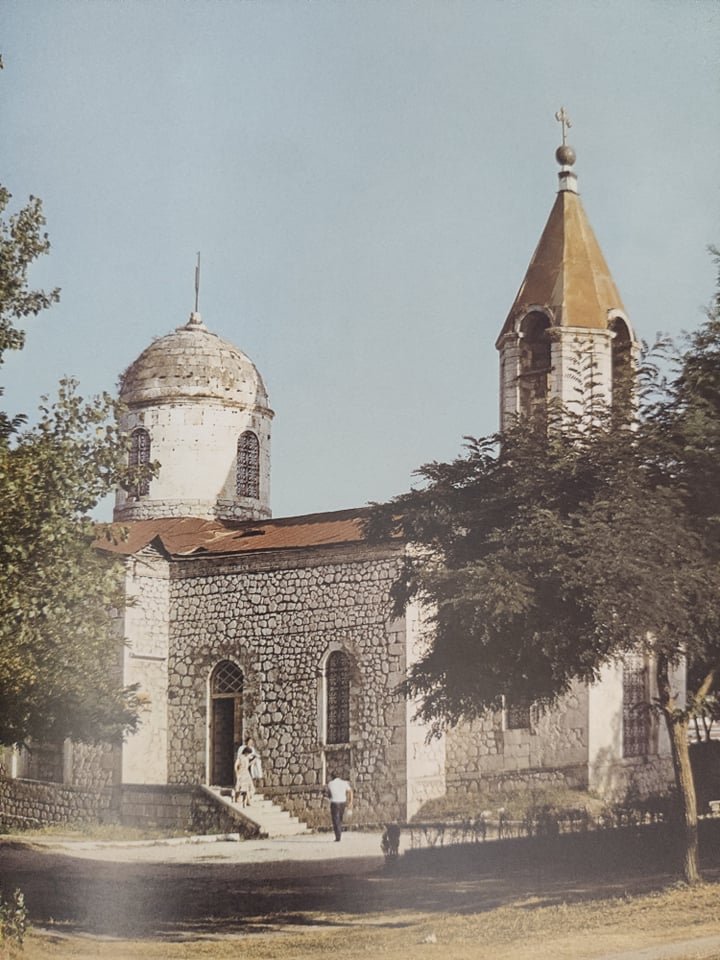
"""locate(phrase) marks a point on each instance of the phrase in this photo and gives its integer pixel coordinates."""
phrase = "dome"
(193, 364)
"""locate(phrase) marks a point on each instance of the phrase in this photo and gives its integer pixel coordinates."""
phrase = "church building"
(242, 625)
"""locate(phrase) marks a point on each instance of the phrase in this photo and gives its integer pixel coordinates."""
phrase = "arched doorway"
(226, 721)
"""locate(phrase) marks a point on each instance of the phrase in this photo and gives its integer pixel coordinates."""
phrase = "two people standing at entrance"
(341, 798)
(248, 772)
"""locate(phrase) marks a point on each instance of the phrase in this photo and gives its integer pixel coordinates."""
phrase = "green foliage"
(542, 554)
(59, 645)
(60, 663)
(22, 241)
(13, 919)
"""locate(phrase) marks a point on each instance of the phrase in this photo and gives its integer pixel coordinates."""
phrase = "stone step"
(270, 819)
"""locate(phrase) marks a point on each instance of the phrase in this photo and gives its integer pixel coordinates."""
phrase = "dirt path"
(172, 892)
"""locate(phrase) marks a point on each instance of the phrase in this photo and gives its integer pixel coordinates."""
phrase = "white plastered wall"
(195, 442)
(147, 621)
(425, 759)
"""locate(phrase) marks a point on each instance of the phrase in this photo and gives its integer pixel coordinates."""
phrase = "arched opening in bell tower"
(622, 365)
(535, 363)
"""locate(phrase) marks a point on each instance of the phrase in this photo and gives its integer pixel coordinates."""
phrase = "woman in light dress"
(244, 787)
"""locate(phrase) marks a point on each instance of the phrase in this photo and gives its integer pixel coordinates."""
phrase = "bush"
(13, 919)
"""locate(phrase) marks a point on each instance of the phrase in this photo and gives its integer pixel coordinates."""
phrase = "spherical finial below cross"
(565, 155)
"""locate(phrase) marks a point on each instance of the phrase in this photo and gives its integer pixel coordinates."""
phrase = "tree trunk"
(677, 725)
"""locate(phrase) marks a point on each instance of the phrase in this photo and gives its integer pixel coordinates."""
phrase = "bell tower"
(567, 335)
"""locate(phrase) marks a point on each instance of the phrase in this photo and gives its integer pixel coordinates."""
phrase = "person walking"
(341, 799)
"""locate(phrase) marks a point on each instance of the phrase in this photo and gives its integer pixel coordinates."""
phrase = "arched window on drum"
(248, 465)
(140, 456)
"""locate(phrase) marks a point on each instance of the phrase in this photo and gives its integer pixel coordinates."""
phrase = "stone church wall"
(486, 755)
(277, 618)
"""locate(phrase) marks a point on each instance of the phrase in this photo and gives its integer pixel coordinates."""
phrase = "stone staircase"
(270, 819)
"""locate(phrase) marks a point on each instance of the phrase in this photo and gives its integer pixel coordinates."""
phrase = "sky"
(366, 181)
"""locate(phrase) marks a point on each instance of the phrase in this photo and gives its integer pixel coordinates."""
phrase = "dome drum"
(198, 399)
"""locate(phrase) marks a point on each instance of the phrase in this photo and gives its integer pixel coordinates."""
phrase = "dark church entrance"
(226, 722)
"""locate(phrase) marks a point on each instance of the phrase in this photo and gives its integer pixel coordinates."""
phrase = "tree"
(544, 554)
(59, 646)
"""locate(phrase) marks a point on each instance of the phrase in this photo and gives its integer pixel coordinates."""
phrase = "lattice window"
(337, 680)
(248, 465)
(227, 679)
(140, 456)
(636, 718)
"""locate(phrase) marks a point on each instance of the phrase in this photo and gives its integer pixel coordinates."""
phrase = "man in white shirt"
(341, 798)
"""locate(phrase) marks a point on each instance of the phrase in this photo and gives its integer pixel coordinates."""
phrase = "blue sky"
(366, 181)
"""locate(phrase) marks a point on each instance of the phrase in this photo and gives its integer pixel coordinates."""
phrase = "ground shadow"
(201, 899)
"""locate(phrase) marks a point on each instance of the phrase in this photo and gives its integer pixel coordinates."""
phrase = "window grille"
(518, 716)
(248, 465)
(227, 679)
(337, 678)
(636, 719)
(139, 456)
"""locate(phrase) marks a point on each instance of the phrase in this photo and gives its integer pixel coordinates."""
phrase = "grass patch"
(525, 927)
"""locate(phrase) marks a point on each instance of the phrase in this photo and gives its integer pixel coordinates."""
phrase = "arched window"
(248, 465)
(139, 456)
(534, 366)
(337, 702)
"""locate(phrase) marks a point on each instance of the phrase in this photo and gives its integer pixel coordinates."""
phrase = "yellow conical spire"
(568, 274)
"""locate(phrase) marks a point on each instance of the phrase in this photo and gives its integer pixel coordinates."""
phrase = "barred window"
(337, 679)
(518, 715)
(636, 719)
(140, 456)
(248, 465)
(227, 679)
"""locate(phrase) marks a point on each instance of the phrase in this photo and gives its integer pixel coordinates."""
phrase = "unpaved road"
(172, 890)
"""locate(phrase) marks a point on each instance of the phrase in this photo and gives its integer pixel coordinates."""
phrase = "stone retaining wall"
(32, 803)
(29, 803)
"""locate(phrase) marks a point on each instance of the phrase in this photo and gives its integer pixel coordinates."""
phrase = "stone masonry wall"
(278, 619)
(485, 751)
(31, 803)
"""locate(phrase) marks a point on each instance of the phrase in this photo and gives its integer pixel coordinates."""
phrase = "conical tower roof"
(568, 274)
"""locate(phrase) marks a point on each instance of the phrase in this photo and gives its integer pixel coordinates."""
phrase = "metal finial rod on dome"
(565, 155)
(562, 117)
(197, 282)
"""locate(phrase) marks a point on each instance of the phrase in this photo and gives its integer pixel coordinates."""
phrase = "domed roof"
(193, 363)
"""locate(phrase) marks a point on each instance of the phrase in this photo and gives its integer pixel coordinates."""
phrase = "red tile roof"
(192, 536)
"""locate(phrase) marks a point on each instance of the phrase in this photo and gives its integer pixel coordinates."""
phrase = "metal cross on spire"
(197, 282)
(562, 117)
